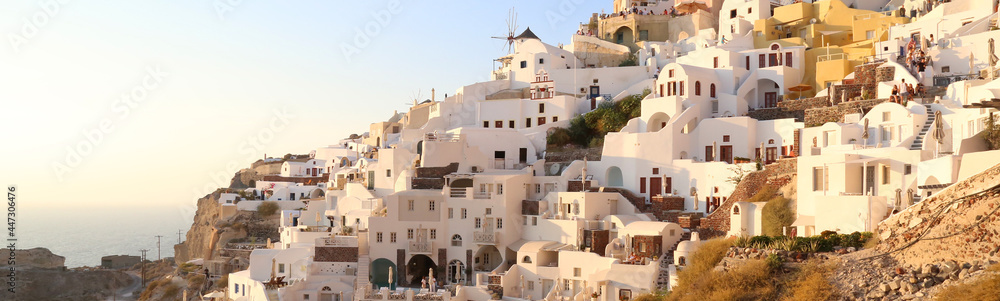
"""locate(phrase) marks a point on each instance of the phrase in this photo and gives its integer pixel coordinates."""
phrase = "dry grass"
(699, 268)
(811, 283)
(986, 288)
(751, 281)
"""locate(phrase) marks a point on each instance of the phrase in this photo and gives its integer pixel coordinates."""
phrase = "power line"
(143, 263)
(179, 236)
(158, 258)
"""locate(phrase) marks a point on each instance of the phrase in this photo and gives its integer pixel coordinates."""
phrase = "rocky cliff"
(33, 258)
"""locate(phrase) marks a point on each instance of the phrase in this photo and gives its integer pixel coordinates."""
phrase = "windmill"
(415, 97)
(511, 31)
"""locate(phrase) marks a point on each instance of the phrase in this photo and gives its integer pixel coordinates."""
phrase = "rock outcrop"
(33, 258)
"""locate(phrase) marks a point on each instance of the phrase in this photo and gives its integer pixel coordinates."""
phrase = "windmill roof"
(527, 34)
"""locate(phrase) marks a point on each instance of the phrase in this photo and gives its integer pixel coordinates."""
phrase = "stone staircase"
(918, 143)
(363, 271)
(666, 260)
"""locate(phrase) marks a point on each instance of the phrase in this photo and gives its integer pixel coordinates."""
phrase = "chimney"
(433, 97)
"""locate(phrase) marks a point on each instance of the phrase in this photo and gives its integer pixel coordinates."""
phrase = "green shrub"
(774, 261)
(776, 215)
(559, 137)
(267, 209)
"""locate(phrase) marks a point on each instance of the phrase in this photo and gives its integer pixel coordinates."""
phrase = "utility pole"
(179, 236)
(158, 258)
(143, 263)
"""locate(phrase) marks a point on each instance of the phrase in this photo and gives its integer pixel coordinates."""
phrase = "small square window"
(486, 124)
(499, 124)
(656, 170)
(541, 61)
(907, 169)
(511, 124)
(409, 205)
(434, 233)
(577, 272)
(524, 64)
(945, 69)
(489, 211)
(732, 14)
(555, 118)
(451, 212)
(725, 138)
(465, 213)
(392, 237)
(541, 108)
(431, 205)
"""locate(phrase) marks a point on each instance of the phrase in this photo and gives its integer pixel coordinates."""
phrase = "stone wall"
(529, 207)
(777, 174)
(819, 116)
(336, 254)
(793, 108)
(436, 172)
(884, 74)
(426, 183)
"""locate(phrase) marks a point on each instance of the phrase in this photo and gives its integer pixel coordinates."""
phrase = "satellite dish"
(812, 21)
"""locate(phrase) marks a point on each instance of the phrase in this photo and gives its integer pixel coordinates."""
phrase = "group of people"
(633, 259)
(915, 59)
(639, 11)
(901, 96)
(915, 11)
(589, 33)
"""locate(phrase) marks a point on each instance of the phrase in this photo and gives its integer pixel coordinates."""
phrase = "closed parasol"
(690, 6)
(864, 131)
(993, 56)
(938, 128)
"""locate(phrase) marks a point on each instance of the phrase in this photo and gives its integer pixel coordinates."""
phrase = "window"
(434, 233)
(524, 64)
(392, 237)
(511, 124)
(715, 62)
(656, 170)
(531, 285)
(534, 221)
(409, 205)
(541, 108)
(431, 204)
(527, 122)
(672, 232)
(499, 223)
(526, 259)
(670, 73)
(388, 173)
(697, 88)
(236, 288)
(760, 60)
(409, 233)
(479, 223)
(305, 297)
(499, 188)
(725, 138)
(885, 174)
(378, 237)
(945, 69)
(541, 120)
(820, 177)
(682, 88)
(748, 62)
(456, 241)
(715, 106)
(465, 213)
(281, 268)
(732, 14)
(541, 61)
(711, 91)
(907, 169)
(498, 124)
(488, 211)
(749, 10)
(885, 116)
(555, 118)
(451, 212)
(486, 124)
(577, 272)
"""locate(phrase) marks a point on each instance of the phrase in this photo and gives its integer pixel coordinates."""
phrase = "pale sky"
(115, 103)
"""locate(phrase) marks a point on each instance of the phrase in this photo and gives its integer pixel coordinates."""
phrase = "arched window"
(681, 261)
(736, 210)
(711, 91)
(456, 241)
(770, 141)
(774, 46)
(526, 259)
(697, 88)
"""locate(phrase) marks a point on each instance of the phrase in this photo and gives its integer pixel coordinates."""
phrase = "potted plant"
(594, 296)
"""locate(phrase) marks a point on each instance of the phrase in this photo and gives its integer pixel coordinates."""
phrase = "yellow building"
(838, 37)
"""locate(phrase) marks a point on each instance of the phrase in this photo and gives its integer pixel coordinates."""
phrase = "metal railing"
(442, 137)
(421, 246)
(483, 237)
(460, 192)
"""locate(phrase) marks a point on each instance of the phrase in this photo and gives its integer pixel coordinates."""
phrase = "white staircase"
(918, 143)
(363, 270)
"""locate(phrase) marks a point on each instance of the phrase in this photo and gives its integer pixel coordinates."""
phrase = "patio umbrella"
(390, 277)
(938, 128)
(909, 197)
(714, 146)
(864, 131)
(690, 6)
(800, 88)
(993, 56)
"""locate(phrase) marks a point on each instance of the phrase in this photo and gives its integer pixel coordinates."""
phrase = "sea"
(85, 234)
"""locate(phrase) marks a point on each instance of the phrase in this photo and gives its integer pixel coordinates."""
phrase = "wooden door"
(772, 155)
(655, 186)
(726, 153)
(869, 179)
(770, 99)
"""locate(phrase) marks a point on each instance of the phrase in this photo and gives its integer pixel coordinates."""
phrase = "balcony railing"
(482, 195)
(482, 237)
(458, 192)
(421, 247)
(442, 137)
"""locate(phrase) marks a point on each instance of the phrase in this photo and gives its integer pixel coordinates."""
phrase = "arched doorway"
(614, 176)
(767, 94)
(461, 183)
(657, 122)
(418, 267)
(456, 272)
(327, 294)
(379, 273)
(624, 36)
(487, 258)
